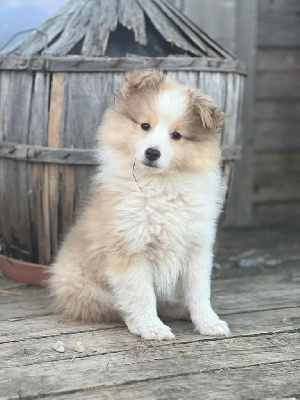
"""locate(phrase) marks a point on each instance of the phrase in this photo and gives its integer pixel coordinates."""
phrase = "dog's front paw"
(160, 332)
(212, 327)
(153, 332)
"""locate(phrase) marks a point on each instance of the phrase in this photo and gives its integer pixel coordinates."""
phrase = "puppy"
(143, 245)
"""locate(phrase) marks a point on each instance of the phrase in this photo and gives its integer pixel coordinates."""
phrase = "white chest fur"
(167, 219)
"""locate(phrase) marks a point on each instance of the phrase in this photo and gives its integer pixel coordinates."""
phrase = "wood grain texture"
(277, 113)
(278, 59)
(282, 213)
(123, 366)
(104, 20)
(73, 31)
(274, 135)
(193, 37)
(53, 26)
(266, 381)
(177, 3)
(229, 296)
(191, 16)
(38, 126)
(40, 331)
(131, 15)
(117, 64)
(231, 109)
(288, 110)
(15, 99)
(240, 208)
(279, 23)
(278, 85)
(48, 326)
(259, 360)
(84, 27)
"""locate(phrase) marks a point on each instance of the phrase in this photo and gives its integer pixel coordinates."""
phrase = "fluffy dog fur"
(143, 245)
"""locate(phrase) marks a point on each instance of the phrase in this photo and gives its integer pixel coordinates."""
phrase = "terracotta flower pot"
(21, 271)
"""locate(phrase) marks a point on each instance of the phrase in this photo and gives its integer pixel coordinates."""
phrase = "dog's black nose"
(152, 154)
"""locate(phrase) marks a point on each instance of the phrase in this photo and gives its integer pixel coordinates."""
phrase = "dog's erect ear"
(134, 81)
(212, 118)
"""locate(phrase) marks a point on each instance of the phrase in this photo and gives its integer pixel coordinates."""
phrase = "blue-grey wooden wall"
(265, 34)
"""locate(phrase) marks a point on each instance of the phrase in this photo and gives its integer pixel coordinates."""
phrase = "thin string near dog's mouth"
(135, 177)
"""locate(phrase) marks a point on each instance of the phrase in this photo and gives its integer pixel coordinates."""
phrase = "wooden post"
(240, 202)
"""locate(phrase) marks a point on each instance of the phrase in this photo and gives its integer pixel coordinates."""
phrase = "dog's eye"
(145, 127)
(175, 136)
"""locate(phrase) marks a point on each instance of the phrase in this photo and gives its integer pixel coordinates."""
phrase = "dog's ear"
(212, 118)
(136, 81)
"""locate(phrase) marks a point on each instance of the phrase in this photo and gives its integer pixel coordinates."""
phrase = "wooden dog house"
(55, 86)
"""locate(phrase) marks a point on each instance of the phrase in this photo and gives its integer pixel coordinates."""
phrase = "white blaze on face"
(171, 105)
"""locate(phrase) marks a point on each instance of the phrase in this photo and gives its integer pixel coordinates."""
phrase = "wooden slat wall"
(276, 196)
(215, 17)
(266, 187)
(233, 24)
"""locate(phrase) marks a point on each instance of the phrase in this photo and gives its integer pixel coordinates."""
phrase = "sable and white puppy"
(143, 245)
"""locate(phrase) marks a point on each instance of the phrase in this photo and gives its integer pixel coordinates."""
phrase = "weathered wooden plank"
(276, 135)
(39, 110)
(119, 64)
(14, 292)
(147, 362)
(244, 294)
(54, 141)
(15, 105)
(277, 162)
(287, 213)
(217, 18)
(231, 109)
(20, 310)
(38, 125)
(239, 204)
(131, 15)
(166, 27)
(278, 85)
(85, 91)
(277, 184)
(67, 193)
(15, 98)
(191, 10)
(277, 194)
(241, 324)
(104, 20)
(35, 176)
(278, 59)
(65, 156)
(274, 110)
(53, 26)
(277, 177)
(279, 23)
(46, 220)
(177, 3)
(213, 85)
(38, 332)
(186, 29)
(74, 29)
(270, 381)
(48, 155)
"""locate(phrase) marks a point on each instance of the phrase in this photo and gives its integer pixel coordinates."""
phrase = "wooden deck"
(260, 360)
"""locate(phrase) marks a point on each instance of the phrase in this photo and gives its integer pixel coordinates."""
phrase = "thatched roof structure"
(116, 28)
